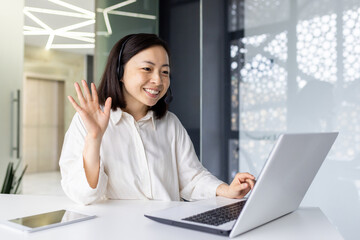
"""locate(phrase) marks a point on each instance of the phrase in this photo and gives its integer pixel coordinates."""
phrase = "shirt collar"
(116, 116)
(149, 115)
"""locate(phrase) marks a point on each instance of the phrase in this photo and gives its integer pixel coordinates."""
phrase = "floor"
(45, 183)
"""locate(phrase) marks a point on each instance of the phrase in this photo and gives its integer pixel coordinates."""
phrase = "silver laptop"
(279, 190)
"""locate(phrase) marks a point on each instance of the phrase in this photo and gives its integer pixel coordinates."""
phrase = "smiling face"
(146, 79)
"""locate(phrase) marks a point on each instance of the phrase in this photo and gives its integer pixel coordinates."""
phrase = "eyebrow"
(149, 62)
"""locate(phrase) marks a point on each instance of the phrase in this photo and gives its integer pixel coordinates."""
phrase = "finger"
(86, 90)
(107, 106)
(75, 105)
(248, 175)
(251, 183)
(244, 176)
(79, 94)
(242, 187)
(95, 97)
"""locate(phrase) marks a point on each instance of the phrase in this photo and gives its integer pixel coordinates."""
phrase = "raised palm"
(95, 120)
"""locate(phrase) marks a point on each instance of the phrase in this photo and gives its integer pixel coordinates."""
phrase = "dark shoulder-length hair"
(111, 86)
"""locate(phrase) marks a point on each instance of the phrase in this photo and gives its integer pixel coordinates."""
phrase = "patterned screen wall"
(296, 68)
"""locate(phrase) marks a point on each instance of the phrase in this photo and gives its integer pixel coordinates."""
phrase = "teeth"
(152, 91)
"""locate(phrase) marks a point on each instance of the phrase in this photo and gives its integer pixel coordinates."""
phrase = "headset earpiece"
(120, 68)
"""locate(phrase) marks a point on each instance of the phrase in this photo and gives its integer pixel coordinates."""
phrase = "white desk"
(124, 219)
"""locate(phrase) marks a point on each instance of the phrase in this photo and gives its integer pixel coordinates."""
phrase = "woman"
(123, 143)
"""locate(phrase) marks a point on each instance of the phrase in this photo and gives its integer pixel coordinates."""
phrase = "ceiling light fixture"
(49, 42)
(80, 38)
(38, 21)
(75, 26)
(59, 46)
(57, 12)
(130, 14)
(66, 32)
(108, 9)
(73, 7)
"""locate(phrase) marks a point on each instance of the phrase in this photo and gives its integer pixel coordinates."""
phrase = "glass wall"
(115, 20)
(295, 67)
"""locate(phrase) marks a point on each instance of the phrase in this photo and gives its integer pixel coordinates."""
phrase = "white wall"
(11, 71)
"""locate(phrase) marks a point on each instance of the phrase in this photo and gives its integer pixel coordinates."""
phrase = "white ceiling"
(46, 24)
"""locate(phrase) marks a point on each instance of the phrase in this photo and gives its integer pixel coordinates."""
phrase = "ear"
(121, 79)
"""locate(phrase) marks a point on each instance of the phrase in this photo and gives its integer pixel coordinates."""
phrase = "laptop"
(285, 178)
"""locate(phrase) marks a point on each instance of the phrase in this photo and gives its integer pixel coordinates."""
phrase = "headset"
(120, 72)
(120, 68)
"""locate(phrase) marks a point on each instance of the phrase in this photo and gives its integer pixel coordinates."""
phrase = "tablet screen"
(50, 219)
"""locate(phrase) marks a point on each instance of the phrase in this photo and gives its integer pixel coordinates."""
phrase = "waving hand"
(95, 120)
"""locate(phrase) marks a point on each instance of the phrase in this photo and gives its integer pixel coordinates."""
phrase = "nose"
(156, 78)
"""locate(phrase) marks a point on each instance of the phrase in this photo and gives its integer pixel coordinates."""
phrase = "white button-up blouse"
(146, 159)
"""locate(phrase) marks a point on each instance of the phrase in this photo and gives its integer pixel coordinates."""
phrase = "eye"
(166, 72)
(147, 69)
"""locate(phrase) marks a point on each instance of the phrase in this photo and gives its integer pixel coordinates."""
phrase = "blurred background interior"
(243, 72)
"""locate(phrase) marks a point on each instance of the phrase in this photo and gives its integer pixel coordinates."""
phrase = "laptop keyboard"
(219, 215)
